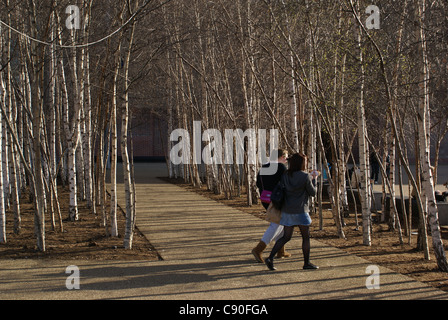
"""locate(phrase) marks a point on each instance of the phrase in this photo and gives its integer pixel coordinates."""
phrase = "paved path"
(206, 250)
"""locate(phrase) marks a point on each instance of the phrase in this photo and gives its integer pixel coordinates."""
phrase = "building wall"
(444, 152)
(149, 137)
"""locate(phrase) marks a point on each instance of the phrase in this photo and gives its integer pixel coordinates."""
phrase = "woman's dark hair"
(297, 162)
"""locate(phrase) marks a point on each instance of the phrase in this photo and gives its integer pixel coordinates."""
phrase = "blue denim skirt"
(295, 219)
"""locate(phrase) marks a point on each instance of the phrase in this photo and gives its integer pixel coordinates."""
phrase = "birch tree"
(424, 138)
(2, 201)
(71, 117)
(128, 183)
(87, 114)
(113, 143)
(363, 147)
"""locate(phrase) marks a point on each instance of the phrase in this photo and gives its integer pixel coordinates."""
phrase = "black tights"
(287, 235)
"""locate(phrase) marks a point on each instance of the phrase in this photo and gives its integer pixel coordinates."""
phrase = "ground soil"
(385, 250)
(85, 239)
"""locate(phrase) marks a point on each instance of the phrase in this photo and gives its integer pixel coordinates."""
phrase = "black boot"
(310, 266)
(270, 263)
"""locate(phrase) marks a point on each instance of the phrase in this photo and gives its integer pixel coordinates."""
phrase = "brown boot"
(258, 251)
(282, 253)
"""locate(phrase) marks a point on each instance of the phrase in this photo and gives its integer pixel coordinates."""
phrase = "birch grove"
(336, 81)
(295, 44)
(51, 93)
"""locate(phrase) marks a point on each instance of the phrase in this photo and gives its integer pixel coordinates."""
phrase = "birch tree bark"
(114, 140)
(293, 90)
(113, 152)
(2, 201)
(87, 109)
(424, 110)
(364, 173)
(71, 123)
(36, 61)
(15, 207)
(424, 138)
(128, 187)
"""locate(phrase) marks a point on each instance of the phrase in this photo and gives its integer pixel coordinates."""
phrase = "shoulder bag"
(265, 194)
(278, 195)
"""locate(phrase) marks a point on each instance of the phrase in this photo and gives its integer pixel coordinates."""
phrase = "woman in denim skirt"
(299, 187)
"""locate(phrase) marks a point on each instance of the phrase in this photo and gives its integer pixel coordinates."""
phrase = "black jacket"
(270, 181)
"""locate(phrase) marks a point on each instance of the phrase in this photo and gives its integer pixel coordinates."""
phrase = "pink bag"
(266, 196)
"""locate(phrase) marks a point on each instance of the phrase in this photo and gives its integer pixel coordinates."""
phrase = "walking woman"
(299, 187)
(268, 182)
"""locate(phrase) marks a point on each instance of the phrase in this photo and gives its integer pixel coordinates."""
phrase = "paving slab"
(205, 247)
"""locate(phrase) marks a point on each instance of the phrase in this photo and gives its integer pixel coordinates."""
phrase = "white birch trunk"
(424, 138)
(2, 202)
(72, 142)
(364, 187)
(5, 165)
(293, 89)
(14, 187)
(87, 134)
(343, 171)
(36, 61)
(391, 177)
(129, 190)
(3, 99)
(248, 102)
(71, 129)
(52, 125)
(113, 171)
(113, 142)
